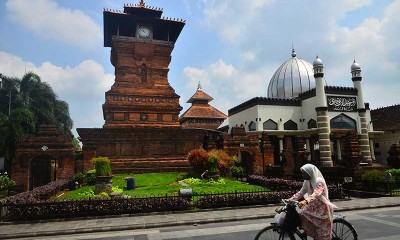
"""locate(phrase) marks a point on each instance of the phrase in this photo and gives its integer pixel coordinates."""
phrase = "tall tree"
(25, 104)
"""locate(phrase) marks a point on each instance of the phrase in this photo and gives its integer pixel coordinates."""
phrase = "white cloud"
(48, 20)
(228, 85)
(81, 86)
(261, 32)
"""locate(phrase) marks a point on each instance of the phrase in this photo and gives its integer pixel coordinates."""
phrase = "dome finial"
(293, 53)
(199, 86)
(355, 66)
(318, 62)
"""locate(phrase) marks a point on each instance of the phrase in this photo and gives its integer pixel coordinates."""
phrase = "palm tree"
(25, 104)
(44, 103)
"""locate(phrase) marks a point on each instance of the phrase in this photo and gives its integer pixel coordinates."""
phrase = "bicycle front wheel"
(343, 230)
(274, 232)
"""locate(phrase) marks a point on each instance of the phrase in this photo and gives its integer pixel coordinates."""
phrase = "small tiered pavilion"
(201, 114)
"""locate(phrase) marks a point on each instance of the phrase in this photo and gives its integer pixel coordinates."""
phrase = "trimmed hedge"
(97, 207)
(336, 191)
(38, 194)
(241, 199)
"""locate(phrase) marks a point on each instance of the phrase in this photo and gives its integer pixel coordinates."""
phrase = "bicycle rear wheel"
(274, 232)
(343, 230)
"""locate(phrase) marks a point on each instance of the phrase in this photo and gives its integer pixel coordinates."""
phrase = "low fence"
(129, 205)
(182, 201)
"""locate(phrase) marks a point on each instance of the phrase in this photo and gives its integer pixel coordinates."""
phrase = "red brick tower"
(141, 42)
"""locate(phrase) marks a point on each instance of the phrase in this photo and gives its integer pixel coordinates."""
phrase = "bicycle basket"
(292, 219)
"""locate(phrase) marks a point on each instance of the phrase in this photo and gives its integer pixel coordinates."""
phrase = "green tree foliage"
(25, 104)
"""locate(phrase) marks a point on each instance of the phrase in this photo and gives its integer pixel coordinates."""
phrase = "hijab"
(315, 178)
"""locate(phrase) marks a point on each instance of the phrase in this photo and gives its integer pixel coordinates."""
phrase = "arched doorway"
(245, 160)
(43, 170)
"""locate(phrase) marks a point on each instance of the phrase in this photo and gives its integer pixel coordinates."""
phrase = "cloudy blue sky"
(233, 47)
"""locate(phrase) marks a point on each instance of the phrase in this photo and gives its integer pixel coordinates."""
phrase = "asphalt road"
(371, 224)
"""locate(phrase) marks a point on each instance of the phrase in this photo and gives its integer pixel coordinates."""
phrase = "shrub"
(213, 159)
(95, 207)
(241, 199)
(5, 181)
(395, 174)
(39, 194)
(102, 166)
(91, 177)
(224, 161)
(373, 176)
(237, 171)
(78, 178)
(198, 158)
(335, 190)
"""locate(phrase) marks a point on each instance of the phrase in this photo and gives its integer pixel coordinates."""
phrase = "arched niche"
(343, 121)
(290, 125)
(270, 125)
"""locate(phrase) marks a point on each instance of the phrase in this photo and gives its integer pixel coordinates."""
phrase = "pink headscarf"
(315, 178)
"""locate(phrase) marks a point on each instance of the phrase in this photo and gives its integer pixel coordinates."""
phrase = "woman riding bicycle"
(316, 211)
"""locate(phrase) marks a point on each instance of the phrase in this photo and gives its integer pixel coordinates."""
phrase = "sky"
(232, 47)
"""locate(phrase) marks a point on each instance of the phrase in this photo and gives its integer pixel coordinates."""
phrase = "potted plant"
(213, 171)
(103, 175)
(78, 179)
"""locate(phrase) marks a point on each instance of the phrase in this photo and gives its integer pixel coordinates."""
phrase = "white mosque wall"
(280, 115)
(382, 144)
(243, 118)
(308, 108)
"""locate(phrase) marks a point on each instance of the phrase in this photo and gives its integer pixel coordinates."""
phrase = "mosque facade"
(301, 106)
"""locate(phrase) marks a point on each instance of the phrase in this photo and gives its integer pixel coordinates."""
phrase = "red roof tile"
(199, 95)
(203, 111)
(386, 118)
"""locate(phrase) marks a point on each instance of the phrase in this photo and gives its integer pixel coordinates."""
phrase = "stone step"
(136, 165)
(150, 169)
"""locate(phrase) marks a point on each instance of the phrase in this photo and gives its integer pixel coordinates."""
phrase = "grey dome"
(293, 77)
(318, 62)
(355, 66)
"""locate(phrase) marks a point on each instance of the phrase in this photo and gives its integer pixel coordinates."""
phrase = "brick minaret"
(141, 42)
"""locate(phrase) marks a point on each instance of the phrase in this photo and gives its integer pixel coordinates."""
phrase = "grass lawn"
(156, 184)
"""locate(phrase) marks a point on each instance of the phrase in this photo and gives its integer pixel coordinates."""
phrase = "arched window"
(290, 125)
(342, 122)
(270, 125)
(252, 126)
(312, 124)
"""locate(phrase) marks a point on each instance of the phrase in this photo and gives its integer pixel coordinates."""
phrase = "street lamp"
(9, 101)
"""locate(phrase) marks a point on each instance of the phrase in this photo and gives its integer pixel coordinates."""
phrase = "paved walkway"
(128, 222)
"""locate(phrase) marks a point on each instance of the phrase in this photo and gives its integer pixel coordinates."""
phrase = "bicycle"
(341, 229)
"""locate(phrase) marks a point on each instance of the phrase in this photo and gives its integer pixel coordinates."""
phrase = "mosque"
(302, 117)
(300, 105)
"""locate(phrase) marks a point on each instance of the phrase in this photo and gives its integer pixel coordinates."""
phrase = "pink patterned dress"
(316, 216)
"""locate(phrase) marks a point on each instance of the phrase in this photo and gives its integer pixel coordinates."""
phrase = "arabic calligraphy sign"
(342, 104)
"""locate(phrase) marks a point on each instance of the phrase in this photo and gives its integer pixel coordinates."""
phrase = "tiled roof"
(203, 111)
(200, 95)
(386, 118)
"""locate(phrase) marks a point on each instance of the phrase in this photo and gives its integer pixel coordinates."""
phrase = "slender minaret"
(363, 138)
(322, 115)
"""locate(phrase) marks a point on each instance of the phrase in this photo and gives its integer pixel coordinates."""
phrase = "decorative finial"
(141, 3)
(293, 53)
(199, 86)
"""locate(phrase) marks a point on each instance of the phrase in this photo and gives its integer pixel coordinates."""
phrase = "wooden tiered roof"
(201, 109)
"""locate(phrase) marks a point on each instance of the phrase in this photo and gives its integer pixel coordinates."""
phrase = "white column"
(308, 146)
(338, 150)
(371, 145)
(280, 147)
